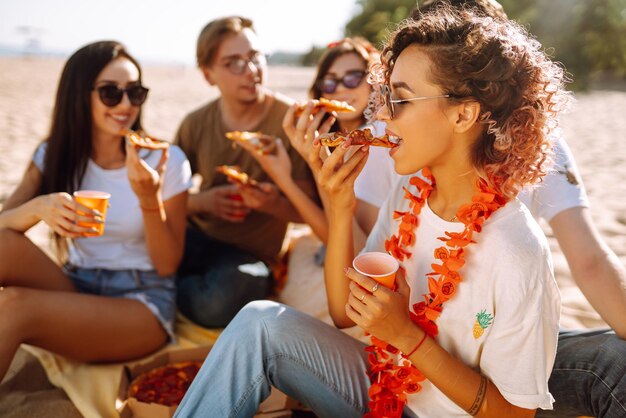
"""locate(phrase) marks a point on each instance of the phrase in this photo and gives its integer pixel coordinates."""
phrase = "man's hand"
(262, 198)
(225, 202)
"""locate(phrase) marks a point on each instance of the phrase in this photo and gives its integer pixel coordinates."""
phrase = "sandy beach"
(595, 130)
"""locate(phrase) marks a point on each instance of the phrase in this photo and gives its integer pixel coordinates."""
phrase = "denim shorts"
(156, 292)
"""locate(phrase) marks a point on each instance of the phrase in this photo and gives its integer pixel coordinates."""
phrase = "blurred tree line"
(587, 36)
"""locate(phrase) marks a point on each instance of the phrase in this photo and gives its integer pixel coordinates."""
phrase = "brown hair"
(69, 142)
(487, 7)
(495, 62)
(212, 35)
(355, 45)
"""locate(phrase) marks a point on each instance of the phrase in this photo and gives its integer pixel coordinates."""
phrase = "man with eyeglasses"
(235, 233)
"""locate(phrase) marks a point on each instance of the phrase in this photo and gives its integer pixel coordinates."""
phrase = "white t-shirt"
(560, 189)
(508, 275)
(123, 245)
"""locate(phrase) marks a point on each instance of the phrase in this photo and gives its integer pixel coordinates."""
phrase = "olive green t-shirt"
(201, 137)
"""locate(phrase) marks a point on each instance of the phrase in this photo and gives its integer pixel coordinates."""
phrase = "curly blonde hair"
(495, 62)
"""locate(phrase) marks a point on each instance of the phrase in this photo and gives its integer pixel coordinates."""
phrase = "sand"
(595, 130)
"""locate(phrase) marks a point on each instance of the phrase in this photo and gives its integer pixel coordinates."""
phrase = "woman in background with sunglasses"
(114, 297)
(341, 75)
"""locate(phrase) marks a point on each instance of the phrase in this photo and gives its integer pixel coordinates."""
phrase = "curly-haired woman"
(471, 326)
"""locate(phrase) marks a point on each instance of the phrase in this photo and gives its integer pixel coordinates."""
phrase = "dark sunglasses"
(351, 80)
(111, 95)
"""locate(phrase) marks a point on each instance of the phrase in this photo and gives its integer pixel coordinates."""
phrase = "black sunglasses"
(351, 80)
(111, 95)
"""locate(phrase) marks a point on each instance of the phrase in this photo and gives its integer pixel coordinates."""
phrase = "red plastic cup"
(239, 198)
(381, 267)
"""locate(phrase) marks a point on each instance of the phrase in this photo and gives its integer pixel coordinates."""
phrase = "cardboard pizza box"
(277, 405)
(131, 407)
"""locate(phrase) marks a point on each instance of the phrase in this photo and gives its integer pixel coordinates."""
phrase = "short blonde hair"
(214, 32)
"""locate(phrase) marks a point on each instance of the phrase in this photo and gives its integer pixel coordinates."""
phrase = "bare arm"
(456, 380)
(23, 209)
(267, 199)
(596, 269)
(278, 166)
(302, 131)
(336, 179)
(384, 315)
(365, 217)
(308, 209)
(19, 212)
(218, 201)
(360, 225)
(164, 222)
(164, 227)
(197, 202)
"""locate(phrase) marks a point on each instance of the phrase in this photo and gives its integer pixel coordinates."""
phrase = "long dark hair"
(69, 141)
(357, 45)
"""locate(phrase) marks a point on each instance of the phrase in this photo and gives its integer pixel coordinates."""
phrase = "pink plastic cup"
(381, 267)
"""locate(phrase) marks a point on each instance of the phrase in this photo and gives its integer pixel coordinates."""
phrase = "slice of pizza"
(144, 141)
(234, 172)
(329, 106)
(262, 143)
(358, 137)
(165, 385)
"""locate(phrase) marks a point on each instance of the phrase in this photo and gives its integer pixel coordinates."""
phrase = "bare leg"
(22, 263)
(40, 306)
(82, 327)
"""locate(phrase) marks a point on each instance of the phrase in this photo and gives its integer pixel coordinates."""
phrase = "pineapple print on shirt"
(483, 320)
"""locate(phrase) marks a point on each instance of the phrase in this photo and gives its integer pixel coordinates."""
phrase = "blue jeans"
(158, 293)
(589, 375)
(269, 344)
(216, 280)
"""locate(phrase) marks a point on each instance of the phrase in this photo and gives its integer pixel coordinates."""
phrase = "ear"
(208, 75)
(465, 116)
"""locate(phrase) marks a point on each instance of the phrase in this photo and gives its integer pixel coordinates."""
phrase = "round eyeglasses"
(237, 65)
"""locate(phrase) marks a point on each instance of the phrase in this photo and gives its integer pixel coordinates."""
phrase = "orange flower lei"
(391, 381)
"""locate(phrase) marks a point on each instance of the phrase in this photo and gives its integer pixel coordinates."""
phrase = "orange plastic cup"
(381, 267)
(94, 200)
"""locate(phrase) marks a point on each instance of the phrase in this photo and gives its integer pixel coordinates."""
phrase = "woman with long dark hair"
(113, 297)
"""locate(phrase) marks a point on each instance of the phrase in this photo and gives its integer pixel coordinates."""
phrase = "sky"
(166, 30)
